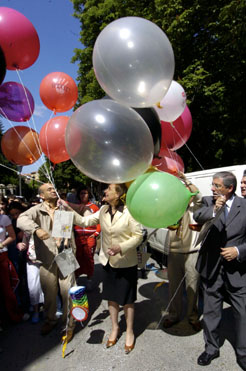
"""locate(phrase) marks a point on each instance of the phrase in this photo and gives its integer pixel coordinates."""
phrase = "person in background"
(72, 196)
(11, 198)
(85, 238)
(8, 276)
(3, 205)
(19, 256)
(33, 275)
(222, 265)
(182, 259)
(243, 185)
(121, 235)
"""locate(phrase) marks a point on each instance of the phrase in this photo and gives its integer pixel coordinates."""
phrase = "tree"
(64, 175)
(208, 40)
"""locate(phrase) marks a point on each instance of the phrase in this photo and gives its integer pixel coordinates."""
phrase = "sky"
(59, 34)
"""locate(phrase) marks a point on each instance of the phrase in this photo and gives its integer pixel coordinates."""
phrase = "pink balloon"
(176, 134)
(18, 39)
(169, 162)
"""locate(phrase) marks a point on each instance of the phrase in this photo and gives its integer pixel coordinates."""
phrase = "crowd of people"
(207, 254)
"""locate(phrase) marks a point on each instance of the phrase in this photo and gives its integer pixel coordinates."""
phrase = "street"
(177, 348)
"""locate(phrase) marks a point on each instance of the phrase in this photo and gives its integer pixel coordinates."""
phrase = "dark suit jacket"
(231, 232)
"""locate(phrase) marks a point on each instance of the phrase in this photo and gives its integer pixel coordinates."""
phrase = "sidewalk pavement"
(24, 349)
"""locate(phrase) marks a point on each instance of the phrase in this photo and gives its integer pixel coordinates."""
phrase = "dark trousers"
(212, 312)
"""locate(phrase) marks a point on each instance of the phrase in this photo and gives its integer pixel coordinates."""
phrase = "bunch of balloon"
(16, 102)
(20, 145)
(169, 161)
(175, 134)
(19, 40)
(157, 199)
(52, 139)
(58, 92)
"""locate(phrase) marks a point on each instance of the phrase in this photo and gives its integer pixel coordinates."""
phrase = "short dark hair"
(83, 187)
(16, 205)
(229, 179)
(244, 173)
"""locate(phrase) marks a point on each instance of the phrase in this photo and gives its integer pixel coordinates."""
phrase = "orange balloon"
(52, 139)
(58, 92)
(20, 145)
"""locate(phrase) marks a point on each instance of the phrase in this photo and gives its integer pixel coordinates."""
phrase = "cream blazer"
(123, 231)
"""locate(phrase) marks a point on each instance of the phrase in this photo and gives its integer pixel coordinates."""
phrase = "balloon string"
(184, 143)
(21, 139)
(23, 175)
(47, 145)
(46, 171)
(29, 106)
(170, 301)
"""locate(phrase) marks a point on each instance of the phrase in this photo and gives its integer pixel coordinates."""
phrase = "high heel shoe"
(129, 348)
(111, 343)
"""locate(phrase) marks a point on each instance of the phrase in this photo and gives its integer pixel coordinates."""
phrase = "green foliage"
(208, 40)
(64, 175)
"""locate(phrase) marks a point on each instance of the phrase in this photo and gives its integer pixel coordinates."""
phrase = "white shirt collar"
(229, 202)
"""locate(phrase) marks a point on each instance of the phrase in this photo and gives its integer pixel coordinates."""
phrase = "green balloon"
(157, 199)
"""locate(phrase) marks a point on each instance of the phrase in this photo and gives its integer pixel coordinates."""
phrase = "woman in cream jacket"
(120, 235)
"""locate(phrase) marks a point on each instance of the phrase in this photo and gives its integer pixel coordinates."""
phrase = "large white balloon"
(109, 142)
(173, 104)
(134, 62)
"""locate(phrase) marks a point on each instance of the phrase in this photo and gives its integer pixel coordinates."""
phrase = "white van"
(203, 180)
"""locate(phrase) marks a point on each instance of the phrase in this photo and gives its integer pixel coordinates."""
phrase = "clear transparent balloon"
(109, 142)
(133, 61)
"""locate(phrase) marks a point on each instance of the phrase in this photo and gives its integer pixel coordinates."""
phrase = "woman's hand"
(114, 250)
(21, 246)
(64, 204)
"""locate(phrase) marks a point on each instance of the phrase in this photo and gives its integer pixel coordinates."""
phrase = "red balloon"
(52, 139)
(176, 134)
(20, 145)
(18, 38)
(169, 162)
(58, 91)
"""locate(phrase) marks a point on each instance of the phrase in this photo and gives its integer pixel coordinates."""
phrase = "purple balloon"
(16, 102)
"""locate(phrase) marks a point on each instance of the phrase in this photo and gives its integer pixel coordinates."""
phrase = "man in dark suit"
(222, 265)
